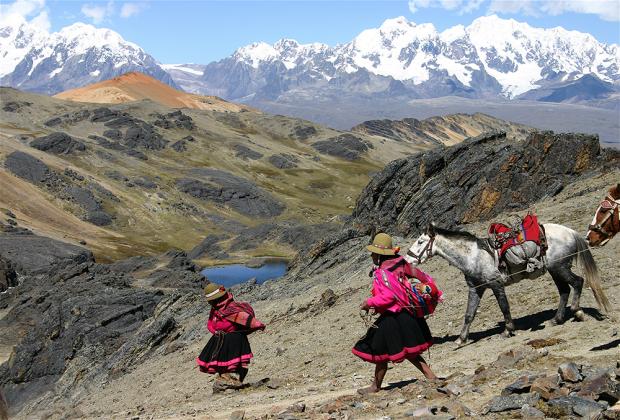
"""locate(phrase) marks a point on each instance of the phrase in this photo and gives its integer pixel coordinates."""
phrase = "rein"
(613, 211)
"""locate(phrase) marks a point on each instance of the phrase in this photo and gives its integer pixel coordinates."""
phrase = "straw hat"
(214, 291)
(382, 244)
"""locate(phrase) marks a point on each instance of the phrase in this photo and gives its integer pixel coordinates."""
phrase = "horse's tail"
(593, 278)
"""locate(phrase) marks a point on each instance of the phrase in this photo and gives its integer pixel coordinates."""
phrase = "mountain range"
(498, 66)
(490, 58)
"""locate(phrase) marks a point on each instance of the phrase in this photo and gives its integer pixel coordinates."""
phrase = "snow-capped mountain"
(34, 60)
(490, 58)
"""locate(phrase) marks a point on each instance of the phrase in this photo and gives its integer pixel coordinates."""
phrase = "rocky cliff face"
(476, 180)
(71, 318)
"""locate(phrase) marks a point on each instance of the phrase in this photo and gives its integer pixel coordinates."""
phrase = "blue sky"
(204, 31)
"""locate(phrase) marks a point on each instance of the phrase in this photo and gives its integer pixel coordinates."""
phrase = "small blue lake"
(229, 275)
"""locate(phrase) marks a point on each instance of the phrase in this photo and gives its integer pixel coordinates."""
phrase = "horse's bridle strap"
(613, 211)
(428, 249)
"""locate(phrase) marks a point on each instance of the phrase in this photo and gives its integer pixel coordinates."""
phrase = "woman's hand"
(364, 306)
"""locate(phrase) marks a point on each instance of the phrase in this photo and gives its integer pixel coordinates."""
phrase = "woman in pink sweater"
(228, 352)
(401, 332)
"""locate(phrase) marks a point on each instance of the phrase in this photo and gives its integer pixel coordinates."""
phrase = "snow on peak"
(17, 37)
(256, 53)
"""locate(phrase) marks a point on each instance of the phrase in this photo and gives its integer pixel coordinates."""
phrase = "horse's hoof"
(508, 334)
(459, 342)
(580, 315)
(552, 323)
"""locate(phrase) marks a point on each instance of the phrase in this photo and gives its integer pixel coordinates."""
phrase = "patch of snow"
(55, 72)
(95, 73)
(181, 67)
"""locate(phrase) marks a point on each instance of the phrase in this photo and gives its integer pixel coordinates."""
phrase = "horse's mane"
(615, 192)
(464, 235)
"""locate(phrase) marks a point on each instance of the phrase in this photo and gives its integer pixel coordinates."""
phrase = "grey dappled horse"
(478, 261)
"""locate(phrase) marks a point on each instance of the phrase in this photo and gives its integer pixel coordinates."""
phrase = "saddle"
(520, 246)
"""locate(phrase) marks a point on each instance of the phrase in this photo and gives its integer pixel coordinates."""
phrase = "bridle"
(611, 205)
(428, 250)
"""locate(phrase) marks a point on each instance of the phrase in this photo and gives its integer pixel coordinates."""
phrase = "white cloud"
(463, 6)
(508, 7)
(415, 5)
(33, 11)
(98, 13)
(131, 9)
(605, 9)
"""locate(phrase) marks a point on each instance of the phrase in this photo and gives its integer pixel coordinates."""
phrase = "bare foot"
(370, 390)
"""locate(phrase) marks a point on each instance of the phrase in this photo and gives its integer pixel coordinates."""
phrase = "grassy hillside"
(149, 177)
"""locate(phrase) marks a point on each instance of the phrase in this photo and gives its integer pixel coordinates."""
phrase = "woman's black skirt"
(396, 337)
(226, 352)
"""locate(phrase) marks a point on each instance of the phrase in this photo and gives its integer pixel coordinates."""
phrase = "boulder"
(570, 405)
(521, 385)
(512, 402)
(547, 387)
(569, 372)
(601, 387)
(58, 143)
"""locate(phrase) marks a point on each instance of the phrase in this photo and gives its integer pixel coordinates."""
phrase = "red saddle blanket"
(507, 237)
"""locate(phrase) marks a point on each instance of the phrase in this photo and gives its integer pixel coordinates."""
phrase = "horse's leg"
(576, 283)
(473, 301)
(561, 282)
(500, 294)
(575, 306)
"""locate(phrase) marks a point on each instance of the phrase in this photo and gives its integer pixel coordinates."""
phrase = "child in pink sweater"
(228, 352)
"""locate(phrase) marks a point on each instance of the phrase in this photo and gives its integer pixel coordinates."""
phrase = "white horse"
(478, 261)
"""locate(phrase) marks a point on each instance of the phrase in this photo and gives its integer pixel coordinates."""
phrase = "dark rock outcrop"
(179, 146)
(227, 189)
(245, 152)
(8, 276)
(33, 254)
(103, 114)
(209, 247)
(345, 146)
(304, 132)
(284, 161)
(31, 169)
(15, 106)
(477, 179)
(113, 134)
(144, 136)
(58, 143)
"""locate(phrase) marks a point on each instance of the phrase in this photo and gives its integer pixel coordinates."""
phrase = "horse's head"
(606, 222)
(422, 248)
